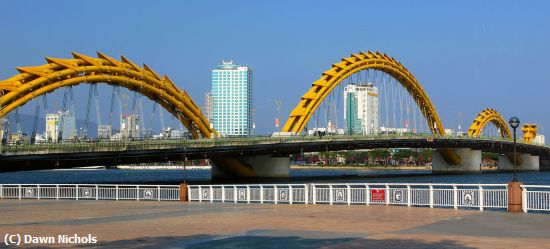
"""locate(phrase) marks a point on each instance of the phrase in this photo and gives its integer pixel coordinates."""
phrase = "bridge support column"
(470, 162)
(544, 164)
(529, 163)
(262, 166)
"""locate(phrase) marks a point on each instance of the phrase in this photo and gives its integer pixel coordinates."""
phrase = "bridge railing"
(255, 193)
(90, 192)
(98, 145)
(535, 198)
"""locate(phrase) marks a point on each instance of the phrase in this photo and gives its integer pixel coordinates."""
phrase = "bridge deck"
(66, 155)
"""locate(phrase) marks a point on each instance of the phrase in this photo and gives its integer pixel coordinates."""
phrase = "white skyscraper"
(232, 99)
(207, 108)
(62, 121)
(129, 126)
(539, 139)
(361, 109)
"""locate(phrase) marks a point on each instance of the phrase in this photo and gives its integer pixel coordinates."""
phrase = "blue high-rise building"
(232, 99)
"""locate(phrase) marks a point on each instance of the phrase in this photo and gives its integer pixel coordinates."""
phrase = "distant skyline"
(468, 55)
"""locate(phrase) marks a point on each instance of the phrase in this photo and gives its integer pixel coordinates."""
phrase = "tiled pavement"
(130, 224)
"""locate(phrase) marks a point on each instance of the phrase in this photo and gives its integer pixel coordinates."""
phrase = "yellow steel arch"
(356, 62)
(35, 81)
(491, 115)
(486, 116)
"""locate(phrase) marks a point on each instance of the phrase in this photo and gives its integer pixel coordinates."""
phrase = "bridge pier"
(260, 166)
(529, 163)
(544, 164)
(470, 162)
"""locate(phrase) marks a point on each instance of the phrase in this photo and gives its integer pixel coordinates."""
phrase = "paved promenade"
(131, 224)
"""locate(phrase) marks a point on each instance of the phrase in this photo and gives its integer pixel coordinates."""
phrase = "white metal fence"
(477, 196)
(535, 198)
(90, 192)
(433, 195)
(257, 193)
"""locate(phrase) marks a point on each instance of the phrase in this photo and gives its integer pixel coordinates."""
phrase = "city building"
(52, 126)
(170, 133)
(392, 130)
(539, 139)
(67, 121)
(322, 131)
(361, 109)
(62, 123)
(4, 129)
(232, 99)
(129, 126)
(104, 131)
(207, 108)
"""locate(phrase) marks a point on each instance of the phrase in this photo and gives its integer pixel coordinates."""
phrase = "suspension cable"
(112, 106)
(88, 109)
(142, 117)
(151, 119)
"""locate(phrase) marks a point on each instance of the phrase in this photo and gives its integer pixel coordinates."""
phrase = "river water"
(108, 176)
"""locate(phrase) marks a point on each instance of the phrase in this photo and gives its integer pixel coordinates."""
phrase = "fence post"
(330, 194)
(158, 193)
(290, 195)
(524, 199)
(96, 192)
(368, 195)
(306, 195)
(261, 194)
(247, 194)
(223, 193)
(348, 197)
(19, 190)
(234, 194)
(387, 195)
(1, 192)
(275, 194)
(200, 193)
(38, 192)
(409, 197)
(455, 197)
(515, 197)
(314, 194)
(137, 193)
(76, 193)
(57, 192)
(211, 195)
(481, 198)
(116, 193)
(431, 196)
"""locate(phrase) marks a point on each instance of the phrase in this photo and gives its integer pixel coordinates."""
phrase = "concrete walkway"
(130, 224)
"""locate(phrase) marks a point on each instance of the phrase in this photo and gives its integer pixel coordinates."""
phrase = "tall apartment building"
(361, 109)
(207, 108)
(4, 128)
(539, 139)
(104, 131)
(62, 121)
(129, 126)
(232, 99)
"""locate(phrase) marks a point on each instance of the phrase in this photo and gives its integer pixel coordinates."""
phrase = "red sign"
(378, 195)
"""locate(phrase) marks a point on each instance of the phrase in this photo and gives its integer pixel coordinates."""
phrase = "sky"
(468, 55)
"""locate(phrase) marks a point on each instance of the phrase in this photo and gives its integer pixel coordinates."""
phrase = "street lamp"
(514, 122)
